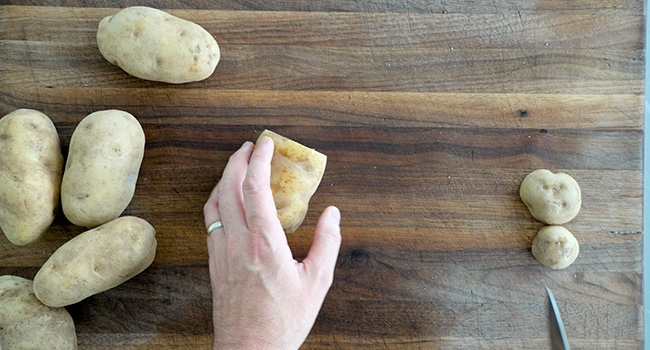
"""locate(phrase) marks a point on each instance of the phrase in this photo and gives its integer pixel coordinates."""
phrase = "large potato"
(27, 324)
(154, 45)
(551, 198)
(30, 175)
(106, 151)
(95, 261)
(296, 172)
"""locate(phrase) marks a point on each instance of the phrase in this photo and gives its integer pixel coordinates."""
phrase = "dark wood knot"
(356, 258)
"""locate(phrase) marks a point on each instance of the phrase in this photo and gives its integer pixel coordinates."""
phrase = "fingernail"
(266, 139)
(246, 144)
(335, 214)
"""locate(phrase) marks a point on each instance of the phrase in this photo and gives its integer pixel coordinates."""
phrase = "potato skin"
(104, 159)
(95, 261)
(552, 198)
(27, 324)
(154, 45)
(31, 165)
(555, 247)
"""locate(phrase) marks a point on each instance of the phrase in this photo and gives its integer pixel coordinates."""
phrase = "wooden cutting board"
(431, 114)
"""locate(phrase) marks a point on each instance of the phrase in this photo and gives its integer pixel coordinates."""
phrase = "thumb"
(321, 259)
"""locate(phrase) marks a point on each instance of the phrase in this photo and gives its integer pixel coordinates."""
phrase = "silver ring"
(215, 225)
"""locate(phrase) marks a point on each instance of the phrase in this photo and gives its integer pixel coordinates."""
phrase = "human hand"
(262, 297)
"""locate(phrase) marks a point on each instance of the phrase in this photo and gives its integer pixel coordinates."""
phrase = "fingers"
(225, 203)
(228, 192)
(321, 259)
(214, 240)
(211, 209)
(261, 215)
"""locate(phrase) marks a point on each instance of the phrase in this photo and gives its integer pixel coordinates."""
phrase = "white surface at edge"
(646, 195)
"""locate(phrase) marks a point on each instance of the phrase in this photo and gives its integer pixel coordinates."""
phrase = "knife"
(558, 334)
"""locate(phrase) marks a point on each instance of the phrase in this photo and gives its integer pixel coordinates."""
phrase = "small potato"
(95, 261)
(31, 165)
(154, 45)
(296, 172)
(551, 198)
(555, 247)
(104, 159)
(27, 324)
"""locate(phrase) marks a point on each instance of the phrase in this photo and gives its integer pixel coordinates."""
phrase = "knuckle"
(221, 188)
(251, 185)
(233, 156)
(207, 207)
(260, 251)
(255, 223)
(256, 157)
(259, 229)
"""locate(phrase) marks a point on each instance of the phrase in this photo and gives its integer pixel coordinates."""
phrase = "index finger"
(261, 215)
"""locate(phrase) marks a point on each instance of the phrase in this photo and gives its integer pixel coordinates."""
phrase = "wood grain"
(427, 6)
(362, 69)
(376, 30)
(431, 113)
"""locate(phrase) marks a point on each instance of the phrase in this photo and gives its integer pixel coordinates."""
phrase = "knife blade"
(558, 333)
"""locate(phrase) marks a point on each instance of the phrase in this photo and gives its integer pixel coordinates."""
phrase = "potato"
(31, 165)
(27, 324)
(104, 158)
(296, 172)
(154, 45)
(95, 261)
(551, 198)
(555, 247)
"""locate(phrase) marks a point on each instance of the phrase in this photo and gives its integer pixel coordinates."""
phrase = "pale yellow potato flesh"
(27, 324)
(296, 172)
(553, 199)
(104, 158)
(154, 45)
(95, 261)
(31, 165)
(555, 247)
